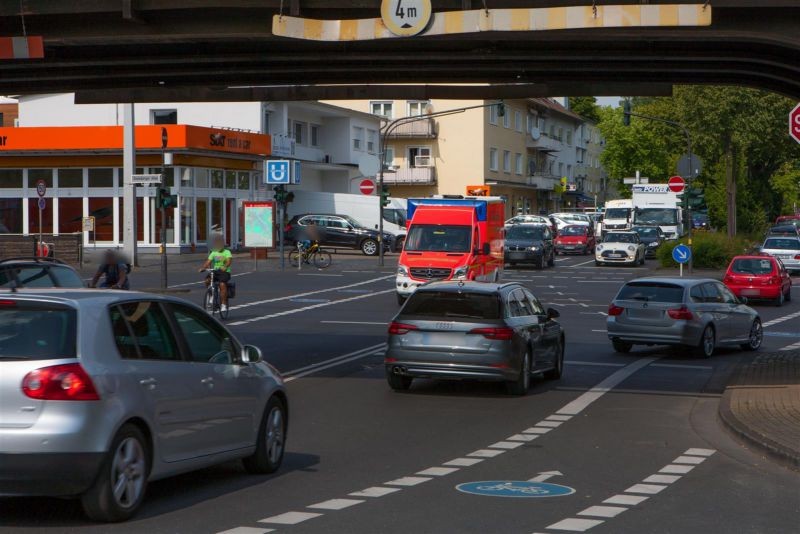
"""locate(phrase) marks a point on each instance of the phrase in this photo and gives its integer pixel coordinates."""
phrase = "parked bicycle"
(212, 299)
(310, 255)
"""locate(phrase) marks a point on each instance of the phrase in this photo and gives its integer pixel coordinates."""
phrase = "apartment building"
(521, 154)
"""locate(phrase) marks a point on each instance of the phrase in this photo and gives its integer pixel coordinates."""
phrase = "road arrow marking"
(545, 475)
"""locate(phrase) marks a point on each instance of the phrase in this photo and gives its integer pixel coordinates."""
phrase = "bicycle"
(212, 299)
(313, 254)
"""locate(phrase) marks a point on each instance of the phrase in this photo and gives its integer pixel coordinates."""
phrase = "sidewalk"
(762, 405)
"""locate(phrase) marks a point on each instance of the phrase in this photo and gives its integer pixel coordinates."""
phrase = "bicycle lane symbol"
(515, 488)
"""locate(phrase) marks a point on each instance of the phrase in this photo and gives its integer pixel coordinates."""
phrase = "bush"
(710, 250)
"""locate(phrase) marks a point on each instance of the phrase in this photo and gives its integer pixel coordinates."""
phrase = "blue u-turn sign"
(515, 488)
(277, 171)
(682, 254)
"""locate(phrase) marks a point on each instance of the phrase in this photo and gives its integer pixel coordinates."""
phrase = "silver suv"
(101, 392)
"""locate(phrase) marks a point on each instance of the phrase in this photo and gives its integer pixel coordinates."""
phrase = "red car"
(759, 277)
(575, 239)
(788, 219)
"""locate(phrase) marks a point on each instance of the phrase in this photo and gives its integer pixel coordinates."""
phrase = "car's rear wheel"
(708, 343)
(756, 336)
(271, 440)
(369, 247)
(788, 295)
(779, 300)
(556, 372)
(521, 385)
(121, 483)
(621, 346)
(398, 382)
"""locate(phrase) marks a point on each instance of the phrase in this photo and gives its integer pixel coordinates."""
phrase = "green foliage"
(786, 185)
(710, 250)
(585, 106)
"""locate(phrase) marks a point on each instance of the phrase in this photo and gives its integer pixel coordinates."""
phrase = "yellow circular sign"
(406, 17)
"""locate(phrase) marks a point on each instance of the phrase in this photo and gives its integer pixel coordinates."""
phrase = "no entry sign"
(367, 187)
(794, 123)
(676, 184)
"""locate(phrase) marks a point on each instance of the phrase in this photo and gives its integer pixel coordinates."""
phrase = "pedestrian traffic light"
(290, 196)
(501, 109)
(164, 199)
(384, 196)
(626, 112)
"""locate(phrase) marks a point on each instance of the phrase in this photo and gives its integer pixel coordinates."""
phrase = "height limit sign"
(794, 123)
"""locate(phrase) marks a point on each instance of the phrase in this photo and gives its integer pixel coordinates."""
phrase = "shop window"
(104, 205)
(201, 178)
(10, 178)
(217, 179)
(217, 222)
(101, 177)
(70, 178)
(47, 216)
(230, 180)
(34, 175)
(244, 181)
(202, 220)
(11, 214)
(163, 116)
(70, 213)
(187, 214)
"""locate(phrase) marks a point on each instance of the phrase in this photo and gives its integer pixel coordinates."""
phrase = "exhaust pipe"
(397, 370)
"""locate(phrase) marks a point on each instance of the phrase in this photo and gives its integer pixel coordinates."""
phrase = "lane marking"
(407, 481)
(781, 319)
(290, 518)
(537, 430)
(247, 530)
(662, 479)
(551, 424)
(598, 364)
(677, 469)
(307, 308)
(507, 445)
(438, 471)
(574, 524)
(486, 453)
(649, 489)
(691, 460)
(308, 293)
(318, 274)
(682, 366)
(300, 372)
(700, 452)
(630, 500)
(558, 418)
(522, 437)
(581, 403)
(200, 282)
(356, 322)
(793, 346)
(335, 504)
(580, 264)
(464, 462)
(374, 491)
(603, 511)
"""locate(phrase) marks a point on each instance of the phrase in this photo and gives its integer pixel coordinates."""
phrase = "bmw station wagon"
(101, 392)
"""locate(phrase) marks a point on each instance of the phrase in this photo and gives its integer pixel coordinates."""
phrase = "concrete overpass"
(162, 50)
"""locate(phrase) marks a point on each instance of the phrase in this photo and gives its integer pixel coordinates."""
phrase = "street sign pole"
(163, 212)
(41, 249)
(129, 188)
(280, 237)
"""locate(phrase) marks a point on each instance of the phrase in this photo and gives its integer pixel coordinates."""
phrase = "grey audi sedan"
(474, 330)
(101, 392)
(697, 313)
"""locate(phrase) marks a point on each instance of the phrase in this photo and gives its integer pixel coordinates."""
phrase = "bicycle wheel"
(208, 300)
(223, 312)
(322, 259)
(294, 258)
(214, 300)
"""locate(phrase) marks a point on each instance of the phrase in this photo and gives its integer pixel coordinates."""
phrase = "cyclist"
(115, 272)
(220, 260)
(310, 234)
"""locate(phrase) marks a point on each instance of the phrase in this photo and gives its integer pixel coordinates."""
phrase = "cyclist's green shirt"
(218, 259)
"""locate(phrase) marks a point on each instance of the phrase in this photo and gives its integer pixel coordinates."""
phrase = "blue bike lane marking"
(515, 489)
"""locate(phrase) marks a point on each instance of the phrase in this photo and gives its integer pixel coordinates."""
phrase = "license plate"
(750, 292)
(617, 255)
(569, 247)
(444, 326)
(785, 256)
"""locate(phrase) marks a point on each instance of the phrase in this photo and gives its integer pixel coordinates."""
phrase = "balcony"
(545, 143)
(411, 176)
(421, 129)
(542, 180)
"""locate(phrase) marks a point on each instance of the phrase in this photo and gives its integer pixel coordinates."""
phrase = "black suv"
(529, 243)
(339, 231)
(38, 272)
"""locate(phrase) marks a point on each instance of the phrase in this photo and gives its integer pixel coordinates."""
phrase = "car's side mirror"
(552, 314)
(743, 300)
(486, 249)
(251, 354)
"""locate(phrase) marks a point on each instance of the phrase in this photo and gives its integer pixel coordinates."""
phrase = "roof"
(92, 297)
(472, 287)
(556, 107)
(685, 281)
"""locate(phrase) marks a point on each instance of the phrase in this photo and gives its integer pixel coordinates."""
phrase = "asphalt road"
(635, 436)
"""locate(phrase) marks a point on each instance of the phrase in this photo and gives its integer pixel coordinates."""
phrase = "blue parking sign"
(277, 171)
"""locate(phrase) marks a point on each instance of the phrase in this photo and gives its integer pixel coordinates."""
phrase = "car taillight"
(727, 280)
(773, 280)
(501, 333)
(398, 329)
(797, 256)
(614, 310)
(680, 313)
(60, 382)
(8, 304)
(288, 228)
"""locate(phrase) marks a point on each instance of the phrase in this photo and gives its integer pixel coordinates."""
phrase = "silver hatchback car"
(101, 392)
(785, 248)
(699, 313)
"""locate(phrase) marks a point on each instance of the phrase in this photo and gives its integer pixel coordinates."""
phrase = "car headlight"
(653, 244)
(533, 249)
(631, 248)
(461, 272)
(402, 270)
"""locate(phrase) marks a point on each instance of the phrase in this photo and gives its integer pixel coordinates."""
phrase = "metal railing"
(411, 175)
(424, 128)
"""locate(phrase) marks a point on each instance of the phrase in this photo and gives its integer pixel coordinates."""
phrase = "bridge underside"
(129, 50)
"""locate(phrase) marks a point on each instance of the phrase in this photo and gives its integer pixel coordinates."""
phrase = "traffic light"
(280, 194)
(384, 196)
(501, 109)
(697, 199)
(164, 199)
(626, 112)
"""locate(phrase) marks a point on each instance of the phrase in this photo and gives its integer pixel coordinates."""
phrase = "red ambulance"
(451, 238)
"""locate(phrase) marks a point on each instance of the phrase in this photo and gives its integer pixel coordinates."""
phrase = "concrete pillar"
(129, 193)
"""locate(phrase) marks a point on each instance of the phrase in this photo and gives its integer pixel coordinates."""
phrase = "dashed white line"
(648, 489)
(782, 319)
(629, 500)
(464, 462)
(438, 471)
(551, 424)
(700, 452)
(290, 518)
(407, 481)
(558, 418)
(581, 403)
(661, 479)
(793, 346)
(537, 430)
(508, 445)
(603, 511)
(692, 460)
(486, 453)
(677, 469)
(335, 504)
(374, 491)
(522, 437)
(247, 530)
(597, 364)
(574, 524)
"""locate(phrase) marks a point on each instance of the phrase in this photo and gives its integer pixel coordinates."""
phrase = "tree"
(585, 106)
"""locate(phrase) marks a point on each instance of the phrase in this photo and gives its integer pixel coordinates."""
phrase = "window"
(569, 137)
(569, 171)
(419, 156)
(266, 122)
(533, 121)
(141, 331)
(493, 159)
(101, 177)
(11, 178)
(452, 306)
(163, 116)
(493, 115)
(651, 292)
(712, 293)
(506, 161)
(315, 135)
(299, 132)
(560, 169)
(34, 175)
(518, 164)
(506, 119)
(207, 341)
(696, 294)
(38, 331)
(417, 107)
(560, 134)
(217, 179)
(371, 136)
(358, 138)
(518, 305)
(388, 156)
(518, 121)
(382, 109)
(70, 178)
(552, 132)
(243, 181)
(536, 306)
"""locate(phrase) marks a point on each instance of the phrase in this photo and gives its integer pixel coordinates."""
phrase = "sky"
(608, 101)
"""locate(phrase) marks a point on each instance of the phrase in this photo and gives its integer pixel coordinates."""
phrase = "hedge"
(710, 250)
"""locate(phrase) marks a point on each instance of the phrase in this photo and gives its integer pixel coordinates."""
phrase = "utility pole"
(163, 209)
(129, 191)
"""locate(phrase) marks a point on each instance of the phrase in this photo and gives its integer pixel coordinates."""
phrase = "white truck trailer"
(656, 205)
